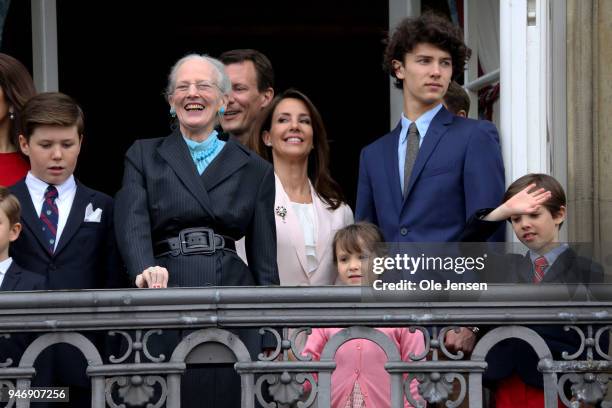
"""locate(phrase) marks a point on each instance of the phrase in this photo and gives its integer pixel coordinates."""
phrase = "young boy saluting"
(535, 205)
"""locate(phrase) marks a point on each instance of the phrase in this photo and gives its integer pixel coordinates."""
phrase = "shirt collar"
(422, 122)
(551, 256)
(5, 265)
(38, 187)
(195, 147)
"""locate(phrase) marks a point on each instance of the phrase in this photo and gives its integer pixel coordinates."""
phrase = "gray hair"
(223, 81)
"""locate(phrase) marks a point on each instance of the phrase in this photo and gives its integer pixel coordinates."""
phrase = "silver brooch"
(281, 211)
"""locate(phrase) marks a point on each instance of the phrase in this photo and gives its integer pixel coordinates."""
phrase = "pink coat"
(362, 360)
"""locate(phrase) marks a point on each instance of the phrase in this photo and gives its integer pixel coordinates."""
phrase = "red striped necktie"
(540, 265)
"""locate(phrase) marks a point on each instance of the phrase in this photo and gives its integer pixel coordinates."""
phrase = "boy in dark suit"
(535, 205)
(68, 235)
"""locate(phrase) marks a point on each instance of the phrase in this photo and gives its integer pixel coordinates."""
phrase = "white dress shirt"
(4, 266)
(65, 198)
(306, 216)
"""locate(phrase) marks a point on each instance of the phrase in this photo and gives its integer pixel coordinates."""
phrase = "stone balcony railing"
(208, 314)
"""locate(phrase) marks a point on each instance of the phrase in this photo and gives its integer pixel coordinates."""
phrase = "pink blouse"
(363, 361)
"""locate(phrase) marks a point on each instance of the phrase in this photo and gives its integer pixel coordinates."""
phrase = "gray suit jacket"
(163, 193)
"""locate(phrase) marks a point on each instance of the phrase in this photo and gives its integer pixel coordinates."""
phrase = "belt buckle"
(199, 248)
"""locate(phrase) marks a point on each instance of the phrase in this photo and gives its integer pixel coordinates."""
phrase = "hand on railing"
(462, 341)
(153, 277)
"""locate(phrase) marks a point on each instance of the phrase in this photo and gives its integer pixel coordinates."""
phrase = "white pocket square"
(91, 215)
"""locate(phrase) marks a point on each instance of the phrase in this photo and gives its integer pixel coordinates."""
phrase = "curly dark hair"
(427, 28)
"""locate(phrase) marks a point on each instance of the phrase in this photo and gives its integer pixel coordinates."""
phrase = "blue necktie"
(49, 216)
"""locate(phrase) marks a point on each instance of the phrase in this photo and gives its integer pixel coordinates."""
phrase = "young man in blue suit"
(68, 235)
(422, 181)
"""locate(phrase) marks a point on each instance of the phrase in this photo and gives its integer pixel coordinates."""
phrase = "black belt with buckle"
(194, 241)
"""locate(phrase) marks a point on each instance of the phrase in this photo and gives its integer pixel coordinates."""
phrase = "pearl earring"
(12, 115)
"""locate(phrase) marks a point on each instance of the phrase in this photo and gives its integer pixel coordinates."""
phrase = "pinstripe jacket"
(163, 193)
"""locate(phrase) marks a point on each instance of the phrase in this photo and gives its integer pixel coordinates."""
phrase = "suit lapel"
(82, 197)
(229, 160)
(392, 165)
(526, 272)
(437, 129)
(11, 277)
(175, 152)
(28, 213)
(293, 223)
(561, 268)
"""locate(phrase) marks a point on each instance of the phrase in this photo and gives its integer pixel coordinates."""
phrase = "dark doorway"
(114, 58)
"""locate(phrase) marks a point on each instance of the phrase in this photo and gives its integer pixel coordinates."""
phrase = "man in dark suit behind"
(422, 181)
(252, 77)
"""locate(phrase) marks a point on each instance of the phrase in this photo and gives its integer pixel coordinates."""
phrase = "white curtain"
(487, 15)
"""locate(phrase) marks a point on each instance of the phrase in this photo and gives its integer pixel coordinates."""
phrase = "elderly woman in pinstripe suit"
(188, 196)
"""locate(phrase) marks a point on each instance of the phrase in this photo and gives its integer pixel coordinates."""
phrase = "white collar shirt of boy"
(4, 266)
(65, 198)
(551, 256)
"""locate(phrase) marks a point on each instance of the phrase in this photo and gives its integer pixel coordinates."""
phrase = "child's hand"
(523, 202)
(153, 277)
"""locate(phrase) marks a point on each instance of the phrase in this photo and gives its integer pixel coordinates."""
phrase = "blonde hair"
(10, 205)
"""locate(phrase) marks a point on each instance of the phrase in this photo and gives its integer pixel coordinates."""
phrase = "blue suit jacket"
(458, 170)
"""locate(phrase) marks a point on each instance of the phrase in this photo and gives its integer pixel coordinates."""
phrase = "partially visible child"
(360, 379)
(15, 278)
(535, 205)
(12, 276)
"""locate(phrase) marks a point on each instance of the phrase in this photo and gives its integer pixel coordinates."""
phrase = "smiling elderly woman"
(188, 196)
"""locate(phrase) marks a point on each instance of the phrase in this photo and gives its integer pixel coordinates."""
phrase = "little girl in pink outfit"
(360, 379)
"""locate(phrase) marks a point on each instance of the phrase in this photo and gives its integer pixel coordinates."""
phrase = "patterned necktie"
(540, 265)
(412, 149)
(49, 216)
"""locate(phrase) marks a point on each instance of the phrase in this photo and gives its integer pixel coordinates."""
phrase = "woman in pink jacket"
(360, 379)
(308, 206)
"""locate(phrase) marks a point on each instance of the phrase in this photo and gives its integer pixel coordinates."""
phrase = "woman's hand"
(523, 202)
(153, 277)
